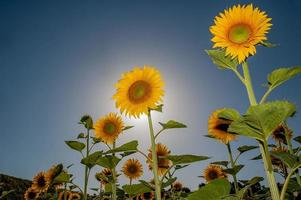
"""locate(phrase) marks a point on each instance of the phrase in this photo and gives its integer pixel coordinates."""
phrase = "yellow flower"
(139, 90)
(132, 169)
(239, 29)
(31, 194)
(104, 176)
(218, 127)
(108, 127)
(163, 163)
(213, 172)
(279, 134)
(40, 182)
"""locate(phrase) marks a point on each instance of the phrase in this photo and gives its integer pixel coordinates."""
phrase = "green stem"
(290, 148)
(154, 157)
(232, 165)
(267, 93)
(114, 189)
(86, 167)
(263, 145)
(287, 180)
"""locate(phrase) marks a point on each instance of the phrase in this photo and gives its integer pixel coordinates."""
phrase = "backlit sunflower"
(213, 172)
(40, 182)
(139, 90)
(104, 176)
(218, 127)
(177, 186)
(132, 169)
(239, 29)
(163, 163)
(31, 194)
(279, 134)
(108, 128)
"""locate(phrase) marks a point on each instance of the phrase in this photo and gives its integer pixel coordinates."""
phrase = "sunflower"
(132, 169)
(163, 163)
(31, 193)
(239, 29)
(40, 182)
(146, 196)
(218, 127)
(177, 186)
(279, 134)
(108, 128)
(74, 195)
(104, 176)
(65, 195)
(213, 172)
(139, 90)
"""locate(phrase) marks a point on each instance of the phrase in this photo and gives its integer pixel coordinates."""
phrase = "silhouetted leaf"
(220, 59)
(184, 159)
(172, 124)
(78, 146)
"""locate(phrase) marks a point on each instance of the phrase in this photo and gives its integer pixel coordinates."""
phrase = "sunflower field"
(236, 33)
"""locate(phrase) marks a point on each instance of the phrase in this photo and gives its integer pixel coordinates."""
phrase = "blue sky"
(60, 60)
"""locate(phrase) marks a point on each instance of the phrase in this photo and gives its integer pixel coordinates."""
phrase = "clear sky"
(60, 60)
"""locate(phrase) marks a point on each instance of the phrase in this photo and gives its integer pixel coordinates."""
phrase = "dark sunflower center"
(42, 181)
(139, 91)
(147, 195)
(132, 169)
(222, 127)
(213, 174)
(110, 128)
(32, 195)
(239, 33)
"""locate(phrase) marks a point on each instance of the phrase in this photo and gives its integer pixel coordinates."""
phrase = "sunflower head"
(31, 193)
(75, 196)
(65, 195)
(146, 196)
(132, 169)
(163, 163)
(40, 182)
(104, 176)
(239, 29)
(213, 172)
(279, 134)
(108, 128)
(177, 186)
(218, 127)
(139, 90)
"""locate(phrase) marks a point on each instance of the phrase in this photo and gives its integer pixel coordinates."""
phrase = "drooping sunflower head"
(139, 90)
(132, 169)
(218, 127)
(104, 176)
(40, 182)
(108, 128)
(31, 194)
(177, 186)
(65, 195)
(213, 172)
(163, 163)
(239, 29)
(279, 134)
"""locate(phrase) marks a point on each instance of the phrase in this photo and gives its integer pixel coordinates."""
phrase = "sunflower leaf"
(216, 189)
(87, 121)
(169, 182)
(159, 108)
(78, 146)
(229, 114)
(172, 124)
(63, 177)
(223, 163)
(135, 189)
(220, 59)
(234, 170)
(127, 147)
(281, 75)
(298, 139)
(261, 120)
(127, 127)
(269, 45)
(290, 160)
(92, 159)
(185, 159)
(246, 148)
(108, 161)
(81, 135)
(257, 157)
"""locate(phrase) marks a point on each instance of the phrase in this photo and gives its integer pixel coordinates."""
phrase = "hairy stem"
(232, 165)
(114, 189)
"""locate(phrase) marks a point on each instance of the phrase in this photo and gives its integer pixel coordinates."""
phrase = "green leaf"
(108, 161)
(298, 139)
(172, 124)
(290, 160)
(214, 190)
(63, 177)
(108, 188)
(159, 108)
(261, 120)
(5, 193)
(92, 159)
(184, 159)
(96, 140)
(147, 184)
(220, 59)
(259, 157)
(128, 147)
(177, 167)
(246, 148)
(229, 114)
(281, 75)
(127, 128)
(169, 182)
(223, 163)
(87, 121)
(234, 170)
(268, 44)
(78, 146)
(135, 189)
(81, 135)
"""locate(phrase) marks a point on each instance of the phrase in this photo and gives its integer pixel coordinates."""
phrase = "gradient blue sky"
(60, 60)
